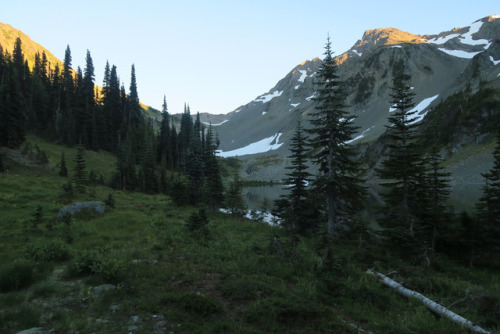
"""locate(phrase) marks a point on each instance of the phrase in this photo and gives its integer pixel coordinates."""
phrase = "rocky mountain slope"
(8, 36)
(440, 65)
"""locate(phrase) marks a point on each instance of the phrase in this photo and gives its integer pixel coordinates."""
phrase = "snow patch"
(294, 104)
(415, 118)
(495, 62)
(264, 112)
(237, 111)
(303, 75)
(224, 121)
(261, 146)
(442, 40)
(268, 97)
(459, 53)
(297, 87)
(467, 37)
(311, 97)
(396, 46)
(357, 53)
(360, 136)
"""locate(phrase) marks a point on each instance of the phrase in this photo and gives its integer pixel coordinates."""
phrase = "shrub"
(197, 223)
(53, 250)
(18, 275)
(96, 262)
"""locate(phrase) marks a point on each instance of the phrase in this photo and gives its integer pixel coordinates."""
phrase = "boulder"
(76, 207)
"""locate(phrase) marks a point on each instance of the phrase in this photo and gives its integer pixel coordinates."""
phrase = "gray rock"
(104, 287)
(76, 207)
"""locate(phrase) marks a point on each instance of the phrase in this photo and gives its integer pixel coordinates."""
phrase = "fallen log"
(431, 305)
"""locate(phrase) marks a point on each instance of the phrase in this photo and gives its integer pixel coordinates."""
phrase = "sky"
(218, 55)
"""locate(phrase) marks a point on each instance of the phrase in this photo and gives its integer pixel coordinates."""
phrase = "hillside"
(8, 36)
(136, 268)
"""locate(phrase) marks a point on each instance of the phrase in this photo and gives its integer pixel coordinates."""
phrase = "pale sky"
(217, 55)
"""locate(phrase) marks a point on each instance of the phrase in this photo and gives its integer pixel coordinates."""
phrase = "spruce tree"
(63, 170)
(233, 200)
(80, 173)
(214, 190)
(488, 207)
(402, 167)
(340, 174)
(163, 151)
(134, 116)
(296, 210)
(438, 193)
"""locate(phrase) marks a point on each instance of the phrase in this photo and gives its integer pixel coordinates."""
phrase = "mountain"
(8, 36)
(441, 65)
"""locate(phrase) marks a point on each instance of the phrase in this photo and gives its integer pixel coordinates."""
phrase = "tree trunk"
(431, 305)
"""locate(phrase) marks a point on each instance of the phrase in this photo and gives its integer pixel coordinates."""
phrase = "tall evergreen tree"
(488, 207)
(149, 181)
(402, 168)
(340, 178)
(436, 196)
(296, 211)
(134, 117)
(80, 170)
(12, 119)
(89, 103)
(214, 190)
(66, 121)
(233, 200)
(163, 151)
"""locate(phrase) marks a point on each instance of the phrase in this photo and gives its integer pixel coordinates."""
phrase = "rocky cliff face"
(440, 65)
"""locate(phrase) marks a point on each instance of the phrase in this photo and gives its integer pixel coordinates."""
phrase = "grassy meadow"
(137, 268)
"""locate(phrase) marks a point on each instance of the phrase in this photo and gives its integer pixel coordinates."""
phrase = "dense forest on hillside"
(162, 186)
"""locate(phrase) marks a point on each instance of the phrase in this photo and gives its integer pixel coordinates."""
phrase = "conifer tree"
(149, 181)
(12, 120)
(163, 151)
(63, 170)
(66, 121)
(340, 174)
(80, 173)
(402, 167)
(233, 200)
(295, 215)
(438, 192)
(195, 167)
(214, 190)
(89, 103)
(134, 117)
(488, 207)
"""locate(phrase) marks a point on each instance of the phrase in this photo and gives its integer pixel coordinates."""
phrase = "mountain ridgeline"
(464, 60)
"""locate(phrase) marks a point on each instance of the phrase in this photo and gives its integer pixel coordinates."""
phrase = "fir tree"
(438, 192)
(163, 151)
(149, 181)
(233, 200)
(295, 215)
(12, 120)
(134, 116)
(63, 170)
(402, 168)
(340, 174)
(214, 190)
(80, 173)
(488, 207)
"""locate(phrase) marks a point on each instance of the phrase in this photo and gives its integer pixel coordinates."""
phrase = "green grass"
(230, 282)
